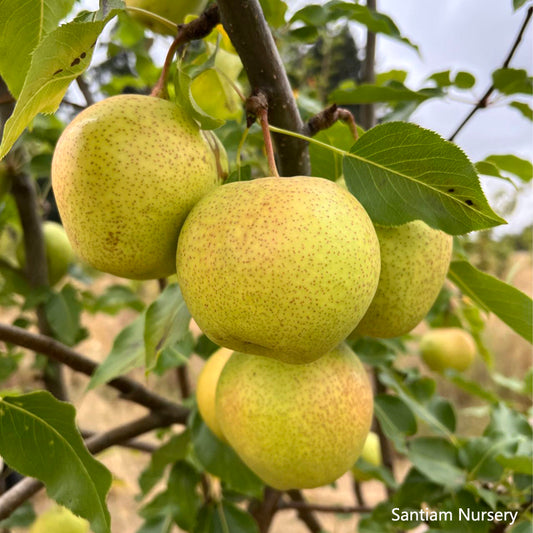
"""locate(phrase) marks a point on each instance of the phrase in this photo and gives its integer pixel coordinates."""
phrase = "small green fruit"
(281, 267)
(371, 454)
(59, 520)
(173, 10)
(59, 253)
(206, 388)
(125, 173)
(444, 348)
(414, 262)
(295, 426)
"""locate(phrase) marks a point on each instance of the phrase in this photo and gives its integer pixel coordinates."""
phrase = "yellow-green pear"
(281, 267)
(206, 389)
(125, 173)
(59, 253)
(295, 426)
(414, 262)
(371, 454)
(173, 10)
(59, 520)
(444, 348)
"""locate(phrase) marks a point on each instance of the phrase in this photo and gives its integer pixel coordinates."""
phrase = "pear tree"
(226, 213)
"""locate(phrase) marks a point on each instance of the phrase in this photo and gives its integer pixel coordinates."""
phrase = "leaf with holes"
(59, 59)
(401, 172)
(39, 438)
(25, 25)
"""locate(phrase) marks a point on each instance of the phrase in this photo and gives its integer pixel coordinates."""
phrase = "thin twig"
(26, 488)
(368, 111)
(85, 90)
(305, 514)
(263, 511)
(323, 508)
(132, 444)
(130, 389)
(484, 100)
(197, 29)
(327, 117)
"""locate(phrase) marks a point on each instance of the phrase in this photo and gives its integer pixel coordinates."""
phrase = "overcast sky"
(476, 36)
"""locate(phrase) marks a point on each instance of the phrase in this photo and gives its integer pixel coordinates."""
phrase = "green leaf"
(436, 458)
(516, 166)
(175, 449)
(236, 520)
(396, 419)
(413, 399)
(508, 303)
(367, 93)
(39, 438)
(63, 312)
(23, 25)
(126, 354)
(442, 79)
(490, 169)
(326, 163)
(472, 387)
(443, 411)
(179, 502)
(518, 4)
(167, 323)
(512, 81)
(182, 84)
(274, 11)
(224, 517)
(182, 484)
(505, 421)
(401, 172)
(22, 517)
(523, 108)
(464, 80)
(61, 56)
(220, 460)
(478, 457)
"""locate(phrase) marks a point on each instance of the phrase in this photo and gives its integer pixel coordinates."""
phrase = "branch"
(264, 511)
(25, 489)
(327, 117)
(304, 513)
(251, 37)
(133, 444)
(322, 508)
(368, 114)
(85, 90)
(484, 100)
(196, 29)
(130, 389)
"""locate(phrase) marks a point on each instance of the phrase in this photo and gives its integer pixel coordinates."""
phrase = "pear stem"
(156, 18)
(196, 29)
(257, 107)
(263, 120)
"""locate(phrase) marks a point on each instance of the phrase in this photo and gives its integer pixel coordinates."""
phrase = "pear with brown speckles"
(281, 267)
(125, 173)
(295, 426)
(414, 262)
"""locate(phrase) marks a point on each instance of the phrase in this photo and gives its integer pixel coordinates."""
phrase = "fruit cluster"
(282, 270)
